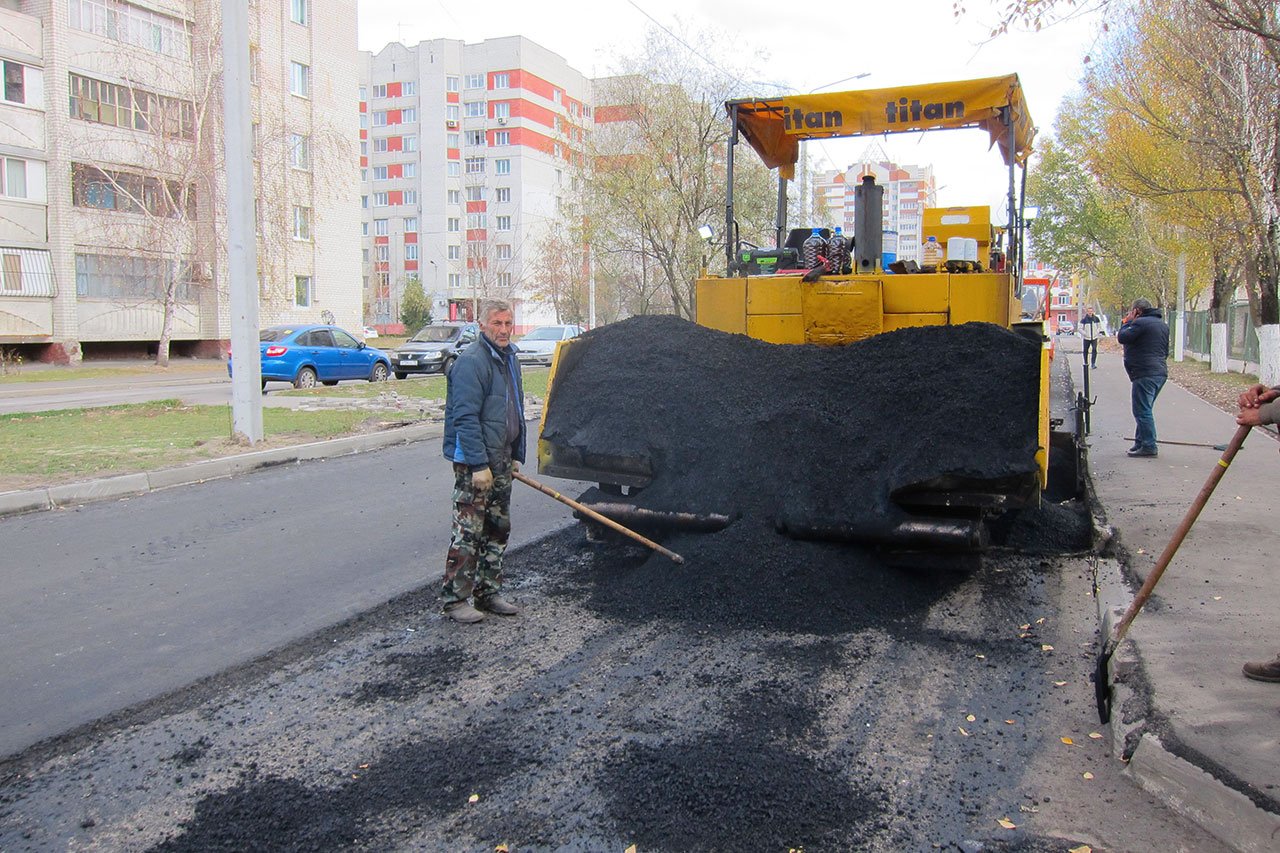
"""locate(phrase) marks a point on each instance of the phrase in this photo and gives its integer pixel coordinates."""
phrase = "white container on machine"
(962, 249)
(931, 254)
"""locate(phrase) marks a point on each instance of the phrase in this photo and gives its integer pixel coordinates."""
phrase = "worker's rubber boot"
(463, 613)
(1263, 671)
(498, 605)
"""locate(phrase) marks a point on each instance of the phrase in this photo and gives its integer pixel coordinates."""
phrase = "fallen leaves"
(971, 718)
(1068, 741)
(963, 732)
(1083, 848)
(1059, 684)
(1095, 735)
(1087, 775)
(502, 848)
(1006, 823)
(1046, 648)
(474, 798)
(1009, 722)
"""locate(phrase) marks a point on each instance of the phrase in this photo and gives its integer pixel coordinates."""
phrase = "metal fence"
(1242, 337)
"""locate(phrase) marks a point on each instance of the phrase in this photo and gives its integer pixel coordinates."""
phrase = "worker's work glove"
(482, 480)
(515, 466)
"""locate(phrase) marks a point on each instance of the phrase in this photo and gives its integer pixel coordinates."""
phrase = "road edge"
(140, 483)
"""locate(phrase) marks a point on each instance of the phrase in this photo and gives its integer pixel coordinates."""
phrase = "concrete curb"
(1186, 789)
(125, 485)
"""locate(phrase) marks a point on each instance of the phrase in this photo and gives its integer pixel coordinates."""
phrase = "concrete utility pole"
(242, 247)
(1180, 324)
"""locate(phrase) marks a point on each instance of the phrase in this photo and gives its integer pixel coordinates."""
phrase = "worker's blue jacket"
(484, 405)
(1146, 345)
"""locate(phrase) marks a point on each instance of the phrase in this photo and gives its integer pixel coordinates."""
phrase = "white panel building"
(466, 152)
(908, 190)
(117, 225)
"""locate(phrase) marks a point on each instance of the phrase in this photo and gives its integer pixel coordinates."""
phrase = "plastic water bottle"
(812, 247)
(931, 255)
(838, 252)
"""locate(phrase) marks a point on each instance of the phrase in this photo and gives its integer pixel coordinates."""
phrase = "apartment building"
(466, 154)
(908, 190)
(114, 229)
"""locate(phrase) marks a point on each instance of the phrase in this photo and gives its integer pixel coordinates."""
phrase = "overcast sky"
(897, 43)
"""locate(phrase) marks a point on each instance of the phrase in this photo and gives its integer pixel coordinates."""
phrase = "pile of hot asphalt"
(734, 425)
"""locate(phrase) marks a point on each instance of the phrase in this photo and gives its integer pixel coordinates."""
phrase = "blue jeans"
(1144, 393)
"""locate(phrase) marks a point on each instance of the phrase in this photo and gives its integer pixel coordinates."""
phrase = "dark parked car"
(539, 345)
(307, 354)
(434, 349)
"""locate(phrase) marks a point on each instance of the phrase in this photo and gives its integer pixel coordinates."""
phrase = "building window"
(410, 224)
(301, 223)
(254, 59)
(557, 95)
(380, 90)
(477, 220)
(129, 24)
(379, 118)
(454, 197)
(364, 121)
(13, 177)
(452, 140)
(300, 151)
(300, 79)
(364, 229)
(11, 271)
(504, 279)
(16, 86)
(451, 113)
(410, 197)
(364, 93)
(475, 166)
(502, 110)
(410, 170)
(501, 81)
(454, 253)
(455, 280)
(380, 227)
(475, 81)
(504, 223)
(380, 145)
(409, 88)
(502, 137)
(131, 277)
(302, 291)
(383, 252)
(128, 192)
(504, 194)
(453, 223)
(502, 167)
(504, 252)
(379, 173)
(364, 148)
(475, 109)
(410, 251)
(475, 137)
(364, 201)
(451, 84)
(124, 106)
(475, 193)
(298, 11)
(453, 169)
(381, 199)
(410, 142)
(408, 115)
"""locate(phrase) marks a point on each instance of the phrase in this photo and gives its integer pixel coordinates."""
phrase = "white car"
(538, 346)
(369, 332)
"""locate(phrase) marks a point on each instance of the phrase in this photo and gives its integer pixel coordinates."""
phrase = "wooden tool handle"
(1122, 627)
(607, 522)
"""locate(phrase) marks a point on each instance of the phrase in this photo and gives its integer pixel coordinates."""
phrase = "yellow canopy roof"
(775, 126)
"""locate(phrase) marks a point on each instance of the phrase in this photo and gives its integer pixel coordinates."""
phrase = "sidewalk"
(1217, 604)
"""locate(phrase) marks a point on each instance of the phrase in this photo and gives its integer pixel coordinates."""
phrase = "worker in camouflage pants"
(484, 438)
(481, 527)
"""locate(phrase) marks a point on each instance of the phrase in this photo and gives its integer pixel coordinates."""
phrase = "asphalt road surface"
(114, 603)
(845, 707)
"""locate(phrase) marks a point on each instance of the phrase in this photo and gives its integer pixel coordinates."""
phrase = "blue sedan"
(307, 354)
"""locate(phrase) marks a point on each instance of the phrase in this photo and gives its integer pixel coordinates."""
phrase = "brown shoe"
(463, 613)
(498, 605)
(1263, 671)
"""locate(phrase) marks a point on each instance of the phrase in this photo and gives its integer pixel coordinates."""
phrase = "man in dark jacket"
(484, 437)
(1145, 338)
(1089, 329)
